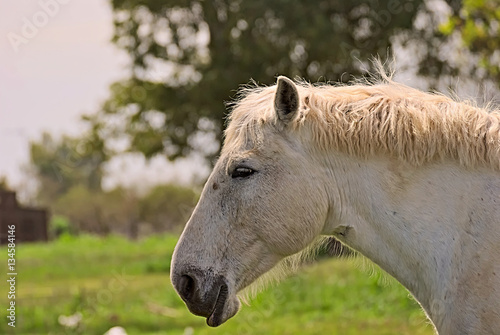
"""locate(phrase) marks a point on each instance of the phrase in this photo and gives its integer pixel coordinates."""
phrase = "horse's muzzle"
(205, 294)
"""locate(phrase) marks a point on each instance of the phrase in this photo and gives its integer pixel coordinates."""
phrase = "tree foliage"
(124, 211)
(477, 23)
(188, 57)
(70, 170)
(4, 184)
(99, 212)
(455, 40)
(60, 164)
(167, 207)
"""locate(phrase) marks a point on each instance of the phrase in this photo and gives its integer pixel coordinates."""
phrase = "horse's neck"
(435, 228)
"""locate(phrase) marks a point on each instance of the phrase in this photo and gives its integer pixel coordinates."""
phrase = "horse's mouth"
(206, 295)
(216, 318)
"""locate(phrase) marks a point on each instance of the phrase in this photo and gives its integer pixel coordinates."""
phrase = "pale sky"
(56, 63)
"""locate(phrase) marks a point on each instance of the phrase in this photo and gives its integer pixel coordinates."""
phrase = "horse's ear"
(286, 100)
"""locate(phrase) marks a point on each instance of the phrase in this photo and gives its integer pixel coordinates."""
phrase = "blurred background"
(111, 115)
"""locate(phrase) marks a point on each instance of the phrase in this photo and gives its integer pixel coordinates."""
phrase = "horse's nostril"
(186, 286)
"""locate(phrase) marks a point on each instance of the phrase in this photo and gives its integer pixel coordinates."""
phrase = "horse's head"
(262, 202)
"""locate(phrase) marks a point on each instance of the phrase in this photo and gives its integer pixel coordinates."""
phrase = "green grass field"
(114, 282)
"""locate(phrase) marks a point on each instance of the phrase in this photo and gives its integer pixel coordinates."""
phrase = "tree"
(164, 208)
(454, 40)
(189, 55)
(4, 184)
(84, 210)
(167, 207)
(478, 25)
(61, 164)
(114, 211)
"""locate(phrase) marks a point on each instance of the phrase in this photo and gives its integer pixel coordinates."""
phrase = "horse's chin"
(225, 308)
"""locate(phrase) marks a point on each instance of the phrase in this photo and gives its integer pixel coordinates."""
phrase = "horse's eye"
(242, 172)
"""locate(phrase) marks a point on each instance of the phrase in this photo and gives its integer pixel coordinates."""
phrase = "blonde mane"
(382, 118)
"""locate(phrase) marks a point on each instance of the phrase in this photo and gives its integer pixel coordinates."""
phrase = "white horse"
(409, 179)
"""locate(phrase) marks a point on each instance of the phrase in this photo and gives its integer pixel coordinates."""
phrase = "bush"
(60, 225)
